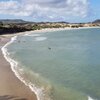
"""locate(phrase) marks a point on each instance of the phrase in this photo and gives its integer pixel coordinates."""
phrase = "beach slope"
(11, 88)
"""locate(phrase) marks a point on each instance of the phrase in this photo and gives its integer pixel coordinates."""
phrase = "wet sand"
(11, 88)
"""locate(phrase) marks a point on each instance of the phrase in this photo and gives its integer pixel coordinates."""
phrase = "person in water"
(49, 48)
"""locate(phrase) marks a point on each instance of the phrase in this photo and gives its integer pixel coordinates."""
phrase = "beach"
(11, 87)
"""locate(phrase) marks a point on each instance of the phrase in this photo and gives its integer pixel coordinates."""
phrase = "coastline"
(10, 86)
(20, 93)
(45, 30)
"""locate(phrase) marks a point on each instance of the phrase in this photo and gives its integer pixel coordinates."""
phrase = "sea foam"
(89, 98)
(33, 35)
(40, 38)
(14, 67)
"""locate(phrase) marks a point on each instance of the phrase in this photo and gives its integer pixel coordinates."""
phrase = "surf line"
(89, 98)
(14, 64)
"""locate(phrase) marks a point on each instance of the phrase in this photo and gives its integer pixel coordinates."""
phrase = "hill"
(12, 21)
(96, 21)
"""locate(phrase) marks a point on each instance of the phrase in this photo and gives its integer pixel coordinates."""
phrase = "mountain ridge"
(96, 21)
(16, 21)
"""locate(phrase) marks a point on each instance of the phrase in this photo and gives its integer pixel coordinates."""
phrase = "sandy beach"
(11, 88)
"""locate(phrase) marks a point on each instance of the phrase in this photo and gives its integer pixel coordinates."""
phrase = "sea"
(57, 65)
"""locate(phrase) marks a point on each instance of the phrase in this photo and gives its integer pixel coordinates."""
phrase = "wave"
(33, 35)
(40, 92)
(40, 38)
(89, 98)
(14, 66)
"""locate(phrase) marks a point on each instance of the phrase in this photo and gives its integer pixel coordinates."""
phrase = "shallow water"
(65, 65)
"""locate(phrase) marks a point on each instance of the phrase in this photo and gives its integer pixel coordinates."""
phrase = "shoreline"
(10, 36)
(11, 86)
(46, 30)
(15, 69)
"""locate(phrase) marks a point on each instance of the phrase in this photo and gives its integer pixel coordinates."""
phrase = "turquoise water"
(65, 65)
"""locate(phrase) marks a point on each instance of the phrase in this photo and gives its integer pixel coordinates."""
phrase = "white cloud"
(46, 9)
(8, 5)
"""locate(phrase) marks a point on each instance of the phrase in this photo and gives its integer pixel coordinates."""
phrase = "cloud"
(45, 9)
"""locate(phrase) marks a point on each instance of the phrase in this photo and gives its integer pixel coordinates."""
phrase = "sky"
(50, 10)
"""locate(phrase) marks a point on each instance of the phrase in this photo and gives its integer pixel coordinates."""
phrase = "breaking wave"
(14, 66)
(40, 38)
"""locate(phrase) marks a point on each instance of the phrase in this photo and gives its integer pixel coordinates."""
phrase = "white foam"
(40, 38)
(14, 67)
(89, 98)
(33, 35)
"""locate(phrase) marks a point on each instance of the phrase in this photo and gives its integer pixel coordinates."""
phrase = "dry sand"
(11, 88)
